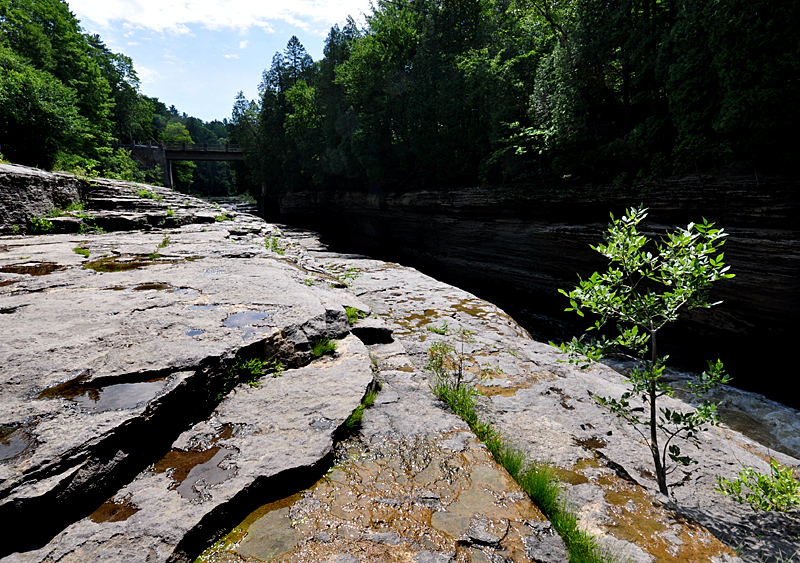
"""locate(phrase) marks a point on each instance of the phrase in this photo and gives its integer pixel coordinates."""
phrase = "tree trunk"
(661, 473)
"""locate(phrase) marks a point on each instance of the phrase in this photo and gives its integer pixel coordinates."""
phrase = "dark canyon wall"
(518, 246)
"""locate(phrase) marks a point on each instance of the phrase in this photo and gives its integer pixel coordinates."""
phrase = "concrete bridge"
(162, 156)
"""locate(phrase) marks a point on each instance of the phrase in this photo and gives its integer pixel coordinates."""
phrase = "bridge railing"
(204, 147)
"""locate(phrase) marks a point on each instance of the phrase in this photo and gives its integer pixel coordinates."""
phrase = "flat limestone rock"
(258, 441)
(109, 353)
(545, 407)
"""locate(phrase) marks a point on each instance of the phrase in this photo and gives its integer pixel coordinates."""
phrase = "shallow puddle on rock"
(116, 264)
(389, 501)
(247, 318)
(40, 269)
(13, 441)
(152, 287)
(668, 537)
(471, 307)
(195, 332)
(524, 381)
(188, 468)
(202, 464)
(97, 398)
(591, 443)
(418, 320)
(493, 391)
(111, 511)
(201, 307)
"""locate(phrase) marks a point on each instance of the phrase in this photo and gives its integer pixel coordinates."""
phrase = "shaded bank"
(516, 246)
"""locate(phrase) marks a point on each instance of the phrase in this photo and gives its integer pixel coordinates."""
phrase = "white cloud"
(174, 16)
(147, 75)
(133, 43)
(231, 56)
(243, 44)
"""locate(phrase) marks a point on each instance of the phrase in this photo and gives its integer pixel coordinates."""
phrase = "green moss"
(81, 251)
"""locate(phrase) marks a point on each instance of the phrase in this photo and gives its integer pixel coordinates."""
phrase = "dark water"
(758, 363)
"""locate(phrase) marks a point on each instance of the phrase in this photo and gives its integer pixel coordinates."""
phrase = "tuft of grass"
(147, 194)
(170, 212)
(81, 251)
(353, 315)
(323, 346)
(353, 421)
(538, 480)
(438, 330)
(248, 371)
(278, 367)
(154, 256)
(223, 217)
(75, 206)
(308, 281)
(164, 242)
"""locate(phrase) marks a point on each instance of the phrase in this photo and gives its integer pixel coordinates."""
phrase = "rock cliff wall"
(518, 246)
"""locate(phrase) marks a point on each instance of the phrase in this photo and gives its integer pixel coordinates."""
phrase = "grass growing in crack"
(278, 367)
(164, 242)
(248, 371)
(538, 480)
(353, 315)
(81, 251)
(323, 346)
(147, 194)
(353, 421)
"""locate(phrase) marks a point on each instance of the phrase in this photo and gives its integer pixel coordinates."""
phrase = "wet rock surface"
(258, 441)
(121, 422)
(545, 407)
(413, 484)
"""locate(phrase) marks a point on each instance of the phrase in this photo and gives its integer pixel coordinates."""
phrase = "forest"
(66, 99)
(436, 93)
(480, 92)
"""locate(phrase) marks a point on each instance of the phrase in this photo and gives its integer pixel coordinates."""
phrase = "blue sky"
(198, 54)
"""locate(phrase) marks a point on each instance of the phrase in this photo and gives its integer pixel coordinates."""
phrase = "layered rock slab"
(413, 484)
(110, 353)
(259, 441)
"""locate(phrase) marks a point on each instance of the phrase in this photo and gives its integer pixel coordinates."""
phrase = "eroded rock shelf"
(128, 432)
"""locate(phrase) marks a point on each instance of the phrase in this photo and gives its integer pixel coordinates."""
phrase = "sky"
(198, 54)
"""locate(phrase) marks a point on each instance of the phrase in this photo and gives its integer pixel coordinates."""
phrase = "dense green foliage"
(457, 92)
(65, 98)
(778, 491)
